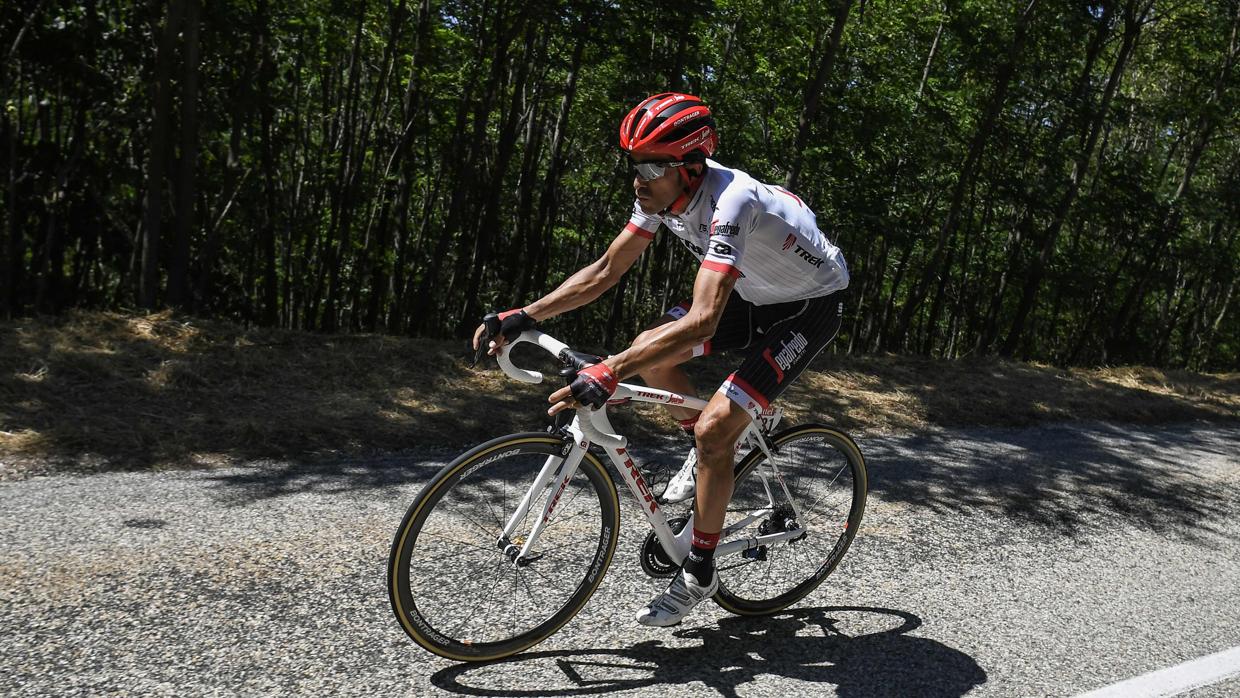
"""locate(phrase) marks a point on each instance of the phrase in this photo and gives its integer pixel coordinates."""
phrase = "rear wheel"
(453, 583)
(825, 475)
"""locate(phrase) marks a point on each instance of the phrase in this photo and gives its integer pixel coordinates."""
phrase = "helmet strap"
(689, 186)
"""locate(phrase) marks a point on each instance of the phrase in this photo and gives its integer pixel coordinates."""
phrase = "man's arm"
(587, 284)
(593, 280)
(711, 290)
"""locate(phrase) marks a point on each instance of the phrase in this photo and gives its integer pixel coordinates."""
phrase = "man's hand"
(501, 328)
(592, 388)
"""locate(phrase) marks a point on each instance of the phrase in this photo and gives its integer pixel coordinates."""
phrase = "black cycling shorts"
(780, 341)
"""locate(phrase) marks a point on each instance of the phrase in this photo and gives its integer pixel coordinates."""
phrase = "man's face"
(655, 195)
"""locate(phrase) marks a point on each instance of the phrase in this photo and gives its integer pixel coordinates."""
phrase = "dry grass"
(104, 390)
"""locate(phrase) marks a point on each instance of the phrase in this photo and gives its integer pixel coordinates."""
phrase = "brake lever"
(482, 347)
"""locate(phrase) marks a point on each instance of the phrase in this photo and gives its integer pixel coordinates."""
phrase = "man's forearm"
(577, 290)
(675, 339)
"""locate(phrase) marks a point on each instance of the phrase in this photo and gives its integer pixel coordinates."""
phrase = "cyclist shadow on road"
(828, 646)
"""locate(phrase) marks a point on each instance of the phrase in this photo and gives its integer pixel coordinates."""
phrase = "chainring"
(654, 561)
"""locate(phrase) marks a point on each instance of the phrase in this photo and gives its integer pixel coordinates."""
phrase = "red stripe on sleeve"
(638, 230)
(722, 268)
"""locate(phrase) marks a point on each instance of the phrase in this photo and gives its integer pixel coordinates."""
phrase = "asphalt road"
(998, 562)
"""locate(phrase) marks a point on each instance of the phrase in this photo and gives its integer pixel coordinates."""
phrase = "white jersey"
(763, 235)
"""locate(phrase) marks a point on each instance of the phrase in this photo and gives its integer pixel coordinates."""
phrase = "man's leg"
(733, 331)
(668, 375)
(717, 430)
(771, 365)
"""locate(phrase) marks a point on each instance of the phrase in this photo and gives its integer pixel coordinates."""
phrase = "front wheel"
(455, 588)
(825, 475)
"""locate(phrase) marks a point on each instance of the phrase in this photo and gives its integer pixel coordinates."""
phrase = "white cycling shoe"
(670, 607)
(684, 482)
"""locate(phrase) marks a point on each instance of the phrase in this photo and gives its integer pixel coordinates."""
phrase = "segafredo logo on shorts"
(789, 242)
(790, 352)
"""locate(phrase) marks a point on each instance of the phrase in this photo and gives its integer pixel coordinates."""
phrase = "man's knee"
(717, 429)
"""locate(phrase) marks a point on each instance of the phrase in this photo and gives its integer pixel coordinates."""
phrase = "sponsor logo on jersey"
(725, 230)
(721, 249)
(804, 254)
(693, 248)
(789, 241)
(789, 352)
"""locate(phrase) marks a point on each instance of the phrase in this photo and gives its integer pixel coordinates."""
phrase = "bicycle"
(481, 533)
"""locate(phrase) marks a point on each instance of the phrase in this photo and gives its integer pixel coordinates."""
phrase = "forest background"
(1055, 181)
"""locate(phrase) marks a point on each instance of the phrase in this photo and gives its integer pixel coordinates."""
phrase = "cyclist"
(769, 284)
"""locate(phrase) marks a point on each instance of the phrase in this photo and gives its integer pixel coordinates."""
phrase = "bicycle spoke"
(474, 613)
(816, 474)
(450, 578)
(443, 537)
(482, 528)
(528, 591)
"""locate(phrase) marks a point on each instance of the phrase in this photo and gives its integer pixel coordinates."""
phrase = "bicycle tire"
(768, 579)
(448, 577)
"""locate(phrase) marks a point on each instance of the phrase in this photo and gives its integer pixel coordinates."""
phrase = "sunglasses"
(647, 171)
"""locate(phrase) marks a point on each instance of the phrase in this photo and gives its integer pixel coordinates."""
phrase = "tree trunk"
(400, 162)
(350, 164)
(486, 230)
(1207, 122)
(178, 264)
(813, 91)
(538, 245)
(1134, 18)
(270, 284)
(148, 283)
(976, 147)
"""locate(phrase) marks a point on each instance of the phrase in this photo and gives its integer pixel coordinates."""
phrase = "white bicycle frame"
(591, 426)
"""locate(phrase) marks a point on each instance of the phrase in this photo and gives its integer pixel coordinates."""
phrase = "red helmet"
(672, 125)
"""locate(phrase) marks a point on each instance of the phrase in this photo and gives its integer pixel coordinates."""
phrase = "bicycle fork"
(556, 471)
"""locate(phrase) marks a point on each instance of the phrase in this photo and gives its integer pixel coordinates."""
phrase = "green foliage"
(376, 167)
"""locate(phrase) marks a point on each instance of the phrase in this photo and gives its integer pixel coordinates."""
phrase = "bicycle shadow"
(809, 645)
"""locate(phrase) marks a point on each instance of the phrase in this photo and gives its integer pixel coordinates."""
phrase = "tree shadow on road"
(1064, 478)
(830, 646)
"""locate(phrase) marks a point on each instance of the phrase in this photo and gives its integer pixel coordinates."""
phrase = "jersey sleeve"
(729, 227)
(642, 223)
